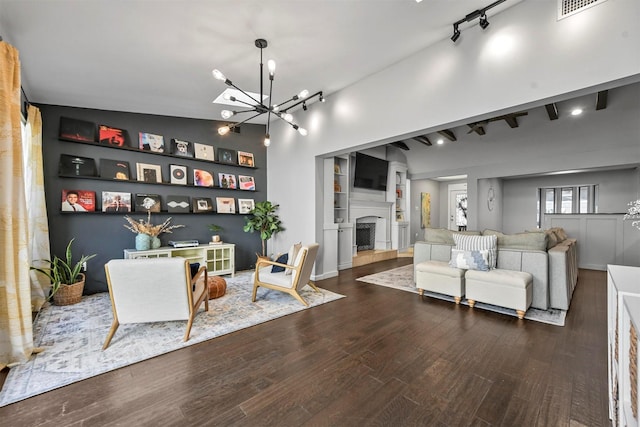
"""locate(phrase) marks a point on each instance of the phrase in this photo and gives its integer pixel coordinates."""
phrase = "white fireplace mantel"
(379, 210)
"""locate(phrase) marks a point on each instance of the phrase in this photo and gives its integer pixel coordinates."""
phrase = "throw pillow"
(470, 260)
(293, 253)
(282, 259)
(478, 243)
(194, 268)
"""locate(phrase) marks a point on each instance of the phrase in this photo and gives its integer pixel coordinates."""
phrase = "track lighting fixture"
(456, 33)
(481, 14)
(255, 102)
(483, 21)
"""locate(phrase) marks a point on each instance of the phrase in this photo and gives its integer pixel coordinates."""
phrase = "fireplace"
(372, 221)
(365, 236)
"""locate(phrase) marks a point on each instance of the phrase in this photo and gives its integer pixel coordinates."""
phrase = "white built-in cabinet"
(397, 194)
(337, 231)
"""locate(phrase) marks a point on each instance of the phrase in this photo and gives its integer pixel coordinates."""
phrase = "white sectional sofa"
(549, 256)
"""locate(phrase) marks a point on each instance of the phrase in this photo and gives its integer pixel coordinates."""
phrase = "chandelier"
(255, 102)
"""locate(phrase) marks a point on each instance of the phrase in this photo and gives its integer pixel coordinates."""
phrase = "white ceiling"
(156, 57)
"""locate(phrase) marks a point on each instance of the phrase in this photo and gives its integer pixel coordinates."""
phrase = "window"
(566, 200)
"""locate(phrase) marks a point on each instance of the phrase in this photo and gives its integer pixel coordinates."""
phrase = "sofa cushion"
(470, 260)
(478, 243)
(293, 253)
(525, 241)
(442, 235)
(439, 267)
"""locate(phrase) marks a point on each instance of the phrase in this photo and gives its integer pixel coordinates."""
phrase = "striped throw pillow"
(478, 243)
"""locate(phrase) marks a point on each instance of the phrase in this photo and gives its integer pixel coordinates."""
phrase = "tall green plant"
(264, 220)
(62, 271)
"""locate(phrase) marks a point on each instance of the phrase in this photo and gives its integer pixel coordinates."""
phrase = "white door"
(457, 210)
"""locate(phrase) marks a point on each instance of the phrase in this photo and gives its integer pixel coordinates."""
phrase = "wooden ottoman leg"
(520, 314)
(457, 299)
(472, 302)
(421, 292)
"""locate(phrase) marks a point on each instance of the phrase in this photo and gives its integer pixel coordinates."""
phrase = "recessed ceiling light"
(576, 111)
(440, 141)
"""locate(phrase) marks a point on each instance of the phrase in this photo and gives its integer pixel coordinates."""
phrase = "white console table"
(219, 258)
(623, 312)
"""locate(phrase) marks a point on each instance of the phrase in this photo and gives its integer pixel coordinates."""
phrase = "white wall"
(541, 59)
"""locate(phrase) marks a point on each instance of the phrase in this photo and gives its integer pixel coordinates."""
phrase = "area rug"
(402, 278)
(73, 335)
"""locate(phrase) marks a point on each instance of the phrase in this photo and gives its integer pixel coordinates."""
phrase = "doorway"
(457, 207)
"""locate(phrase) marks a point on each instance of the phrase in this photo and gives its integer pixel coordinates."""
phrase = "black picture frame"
(76, 166)
(115, 169)
(228, 156)
(178, 203)
(202, 204)
(181, 148)
(77, 130)
(148, 202)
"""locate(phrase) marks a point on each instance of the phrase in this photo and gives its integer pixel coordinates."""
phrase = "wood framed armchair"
(300, 273)
(154, 290)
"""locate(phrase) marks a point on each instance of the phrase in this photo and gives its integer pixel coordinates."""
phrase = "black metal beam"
(601, 100)
(552, 111)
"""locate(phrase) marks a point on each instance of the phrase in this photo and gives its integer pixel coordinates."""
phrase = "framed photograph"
(77, 130)
(226, 156)
(148, 203)
(202, 204)
(226, 205)
(245, 159)
(181, 148)
(76, 166)
(245, 206)
(178, 174)
(203, 151)
(226, 180)
(178, 203)
(114, 169)
(151, 142)
(202, 178)
(246, 183)
(113, 136)
(148, 172)
(114, 201)
(78, 201)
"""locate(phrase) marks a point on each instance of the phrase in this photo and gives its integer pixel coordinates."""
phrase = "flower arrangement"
(146, 227)
(634, 213)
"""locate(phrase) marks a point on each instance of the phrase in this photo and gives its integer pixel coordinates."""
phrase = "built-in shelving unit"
(340, 190)
(397, 194)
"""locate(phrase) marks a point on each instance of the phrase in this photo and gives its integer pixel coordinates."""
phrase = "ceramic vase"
(155, 242)
(143, 242)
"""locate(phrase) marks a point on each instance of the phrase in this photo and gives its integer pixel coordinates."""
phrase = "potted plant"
(264, 220)
(67, 279)
(215, 228)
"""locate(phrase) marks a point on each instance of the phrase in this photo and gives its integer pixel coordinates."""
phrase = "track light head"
(304, 106)
(456, 33)
(483, 21)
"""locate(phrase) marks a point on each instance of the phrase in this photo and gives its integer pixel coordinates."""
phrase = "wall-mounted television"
(370, 172)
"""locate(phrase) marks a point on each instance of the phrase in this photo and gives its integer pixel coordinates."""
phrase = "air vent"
(567, 8)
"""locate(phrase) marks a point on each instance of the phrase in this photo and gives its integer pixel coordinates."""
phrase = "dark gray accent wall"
(104, 233)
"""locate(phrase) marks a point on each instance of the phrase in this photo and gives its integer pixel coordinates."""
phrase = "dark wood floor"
(380, 357)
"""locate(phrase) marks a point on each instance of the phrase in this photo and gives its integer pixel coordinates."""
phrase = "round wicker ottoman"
(217, 286)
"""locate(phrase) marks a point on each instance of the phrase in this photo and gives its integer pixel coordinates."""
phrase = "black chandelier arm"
(292, 124)
(245, 93)
(234, 125)
(318, 94)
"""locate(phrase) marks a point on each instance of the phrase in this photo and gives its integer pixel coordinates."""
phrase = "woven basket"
(69, 294)
(217, 286)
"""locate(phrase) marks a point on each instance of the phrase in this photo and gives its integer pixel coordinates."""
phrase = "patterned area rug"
(73, 335)
(402, 278)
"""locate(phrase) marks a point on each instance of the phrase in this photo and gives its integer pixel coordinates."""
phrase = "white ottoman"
(437, 276)
(504, 288)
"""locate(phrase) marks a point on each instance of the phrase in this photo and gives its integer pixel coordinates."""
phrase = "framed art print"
(181, 148)
(78, 201)
(76, 166)
(226, 156)
(148, 172)
(148, 202)
(114, 201)
(178, 174)
(178, 203)
(114, 169)
(245, 206)
(202, 204)
(202, 178)
(203, 151)
(226, 180)
(245, 159)
(151, 142)
(246, 183)
(225, 205)
(113, 136)
(77, 130)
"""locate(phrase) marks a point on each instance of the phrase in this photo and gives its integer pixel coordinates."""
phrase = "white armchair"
(299, 276)
(154, 290)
